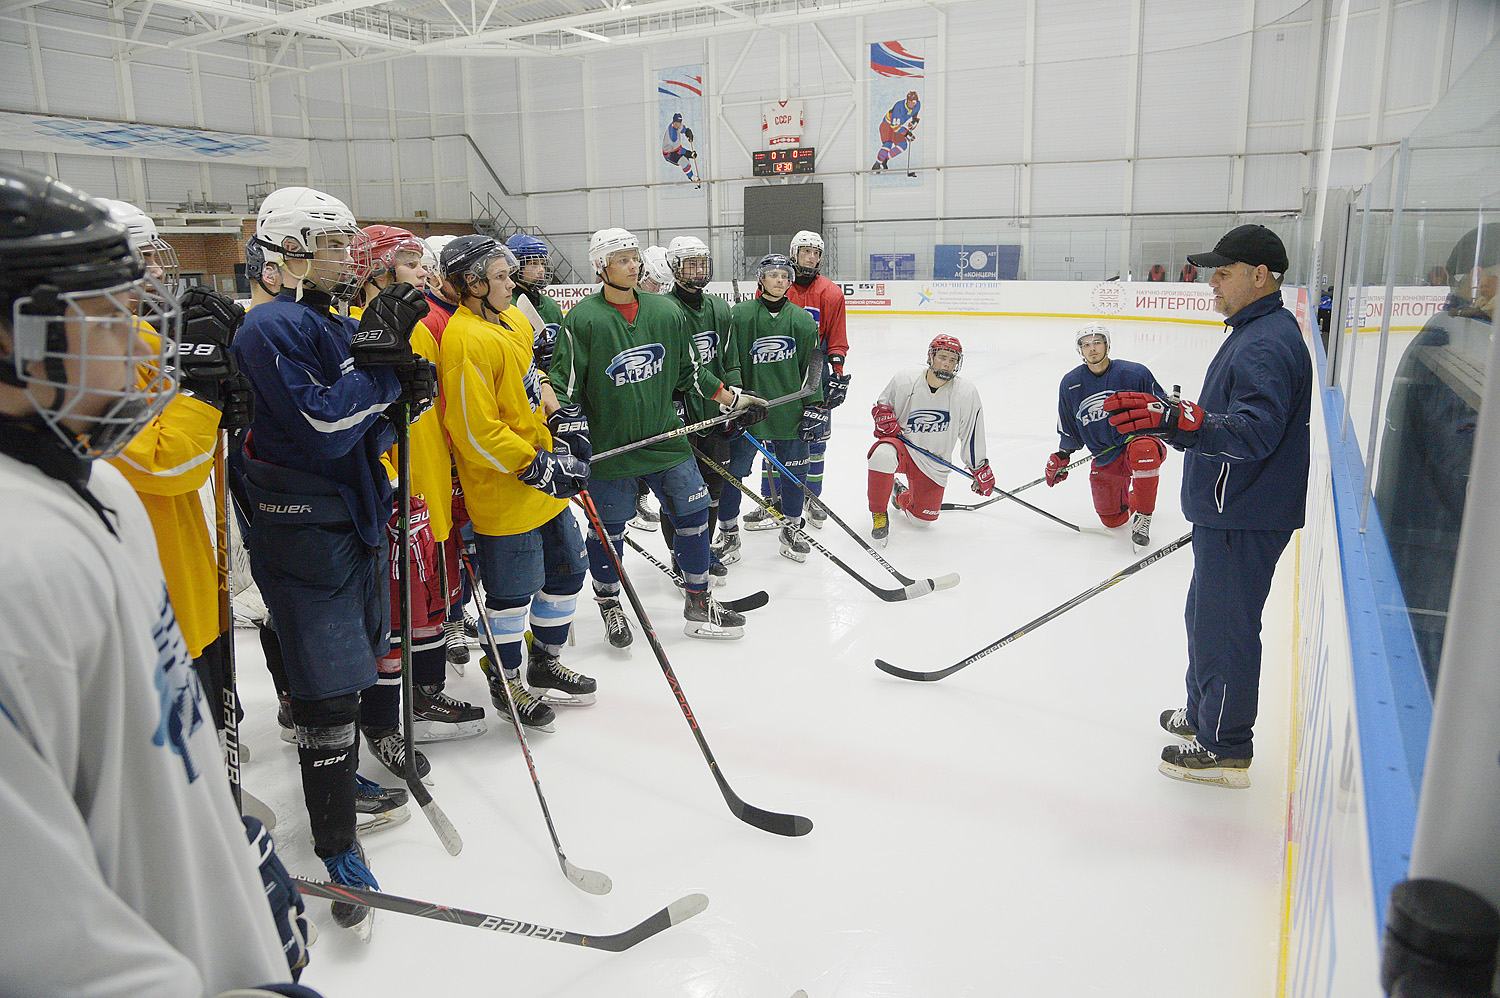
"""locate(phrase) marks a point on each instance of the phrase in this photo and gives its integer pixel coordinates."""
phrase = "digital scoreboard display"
(781, 162)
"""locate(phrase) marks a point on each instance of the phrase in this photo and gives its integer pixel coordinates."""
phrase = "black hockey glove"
(384, 335)
(568, 424)
(281, 892)
(688, 132)
(418, 385)
(835, 390)
(542, 346)
(237, 403)
(556, 472)
(814, 423)
(209, 322)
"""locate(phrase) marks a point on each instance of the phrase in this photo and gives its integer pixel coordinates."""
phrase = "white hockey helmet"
(807, 237)
(607, 242)
(314, 221)
(655, 268)
(1092, 329)
(683, 248)
(159, 256)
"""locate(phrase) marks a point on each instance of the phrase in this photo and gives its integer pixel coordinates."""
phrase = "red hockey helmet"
(911, 95)
(385, 241)
(949, 343)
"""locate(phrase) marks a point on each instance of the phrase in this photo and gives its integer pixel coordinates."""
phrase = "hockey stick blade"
(446, 833)
(591, 881)
(680, 910)
(1024, 629)
(744, 604)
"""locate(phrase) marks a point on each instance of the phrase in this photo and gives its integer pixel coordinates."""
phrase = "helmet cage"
(679, 261)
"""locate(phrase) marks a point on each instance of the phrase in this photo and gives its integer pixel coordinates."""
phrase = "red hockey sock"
(880, 487)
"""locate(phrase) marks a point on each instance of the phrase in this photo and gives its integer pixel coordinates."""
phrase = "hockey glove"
(542, 346)
(237, 403)
(281, 891)
(568, 424)
(742, 400)
(885, 421)
(384, 335)
(418, 385)
(1056, 463)
(835, 390)
(814, 423)
(1175, 421)
(556, 472)
(209, 322)
(743, 420)
(688, 132)
(984, 480)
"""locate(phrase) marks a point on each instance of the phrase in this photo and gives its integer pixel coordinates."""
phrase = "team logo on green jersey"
(770, 349)
(637, 364)
(707, 343)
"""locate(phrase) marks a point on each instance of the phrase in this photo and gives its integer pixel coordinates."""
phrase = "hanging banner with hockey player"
(679, 113)
(897, 72)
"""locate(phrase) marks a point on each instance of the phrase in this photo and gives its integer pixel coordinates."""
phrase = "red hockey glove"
(984, 480)
(1174, 420)
(1057, 464)
(885, 421)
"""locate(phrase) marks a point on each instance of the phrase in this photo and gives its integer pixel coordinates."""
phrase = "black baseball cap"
(1252, 244)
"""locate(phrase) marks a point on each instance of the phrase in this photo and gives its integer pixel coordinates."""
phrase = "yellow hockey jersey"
(431, 463)
(494, 419)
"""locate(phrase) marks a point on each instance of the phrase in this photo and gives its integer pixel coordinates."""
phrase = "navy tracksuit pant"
(1232, 572)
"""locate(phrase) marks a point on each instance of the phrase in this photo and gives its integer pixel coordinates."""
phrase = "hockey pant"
(380, 704)
(923, 498)
(1128, 483)
(893, 142)
(541, 571)
(684, 499)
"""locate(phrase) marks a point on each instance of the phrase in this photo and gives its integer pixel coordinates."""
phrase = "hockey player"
(265, 278)
(519, 466)
(672, 149)
(1244, 489)
(320, 495)
(620, 356)
(773, 349)
(442, 299)
(824, 301)
(656, 274)
(121, 845)
(898, 130)
(939, 410)
(1123, 474)
(395, 255)
(708, 322)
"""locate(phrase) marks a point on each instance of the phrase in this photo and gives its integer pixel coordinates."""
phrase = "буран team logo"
(636, 364)
(707, 343)
(927, 421)
(770, 349)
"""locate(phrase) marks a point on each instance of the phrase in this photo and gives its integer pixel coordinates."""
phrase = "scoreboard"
(781, 162)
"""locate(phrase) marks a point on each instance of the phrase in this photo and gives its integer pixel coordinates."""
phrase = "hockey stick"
(446, 833)
(591, 881)
(1032, 484)
(229, 698)
(1003, 494)
(680, 910)
(744, 604)
(1129, 570)
(942, 582)
(698, 427)
(770, 821)
(912, 591)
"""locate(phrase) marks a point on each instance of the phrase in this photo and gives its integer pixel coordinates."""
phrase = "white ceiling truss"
(358, 31)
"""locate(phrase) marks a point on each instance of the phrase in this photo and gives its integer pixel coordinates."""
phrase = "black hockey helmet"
(52, 234)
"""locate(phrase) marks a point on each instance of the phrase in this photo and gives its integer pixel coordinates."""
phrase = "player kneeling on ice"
(1124, 473)
(936, 410)
(519, 466)
(124, 855)
(773, 351)
(621, 356)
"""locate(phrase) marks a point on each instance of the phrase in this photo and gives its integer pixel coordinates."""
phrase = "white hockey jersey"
(125, 864)
(952, 416)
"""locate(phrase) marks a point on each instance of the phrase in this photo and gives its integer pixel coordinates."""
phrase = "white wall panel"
(985, 83)
(982, 192)
(20, 88)
(98, 176)
(1075, 121)
(620, 119)
(1273, 138)
(1069, 188)
(1182, 185)
(1273, 182)
(1359, 87)
(1409, 81)
(228, 101)
(1283, 69)
(168, 183)
(78, 84)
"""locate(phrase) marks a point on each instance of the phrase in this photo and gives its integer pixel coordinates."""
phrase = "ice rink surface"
(1002, 832)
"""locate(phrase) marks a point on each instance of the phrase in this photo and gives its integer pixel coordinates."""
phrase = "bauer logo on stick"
(770, 349)
(637, 364)
(927, 421)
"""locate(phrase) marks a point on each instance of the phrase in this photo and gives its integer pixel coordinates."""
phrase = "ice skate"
(718, 574)
(793, 545)
(816, 516)
(458, 646)
(284, 720)
(1140, 531)
(706, 618)
(1193, 763)
(897, 487)
(880, 532)
(554, 682)
(377, 807)
(616, 626)
(389, 747)
(350, 869)
(1175, 722)
(532, 712)
(761, 519)
(645, 517)
(727, 548)
(437, 717)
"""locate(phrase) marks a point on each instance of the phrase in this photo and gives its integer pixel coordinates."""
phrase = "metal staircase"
(491, 219)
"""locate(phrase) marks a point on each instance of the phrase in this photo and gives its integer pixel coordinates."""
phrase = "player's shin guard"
(817, 451)
(428, 655)
(380, 705)
(601, 569)
(1145, 455)
(690, 550)
(551, 616)
(328, 751)
(508, 625)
